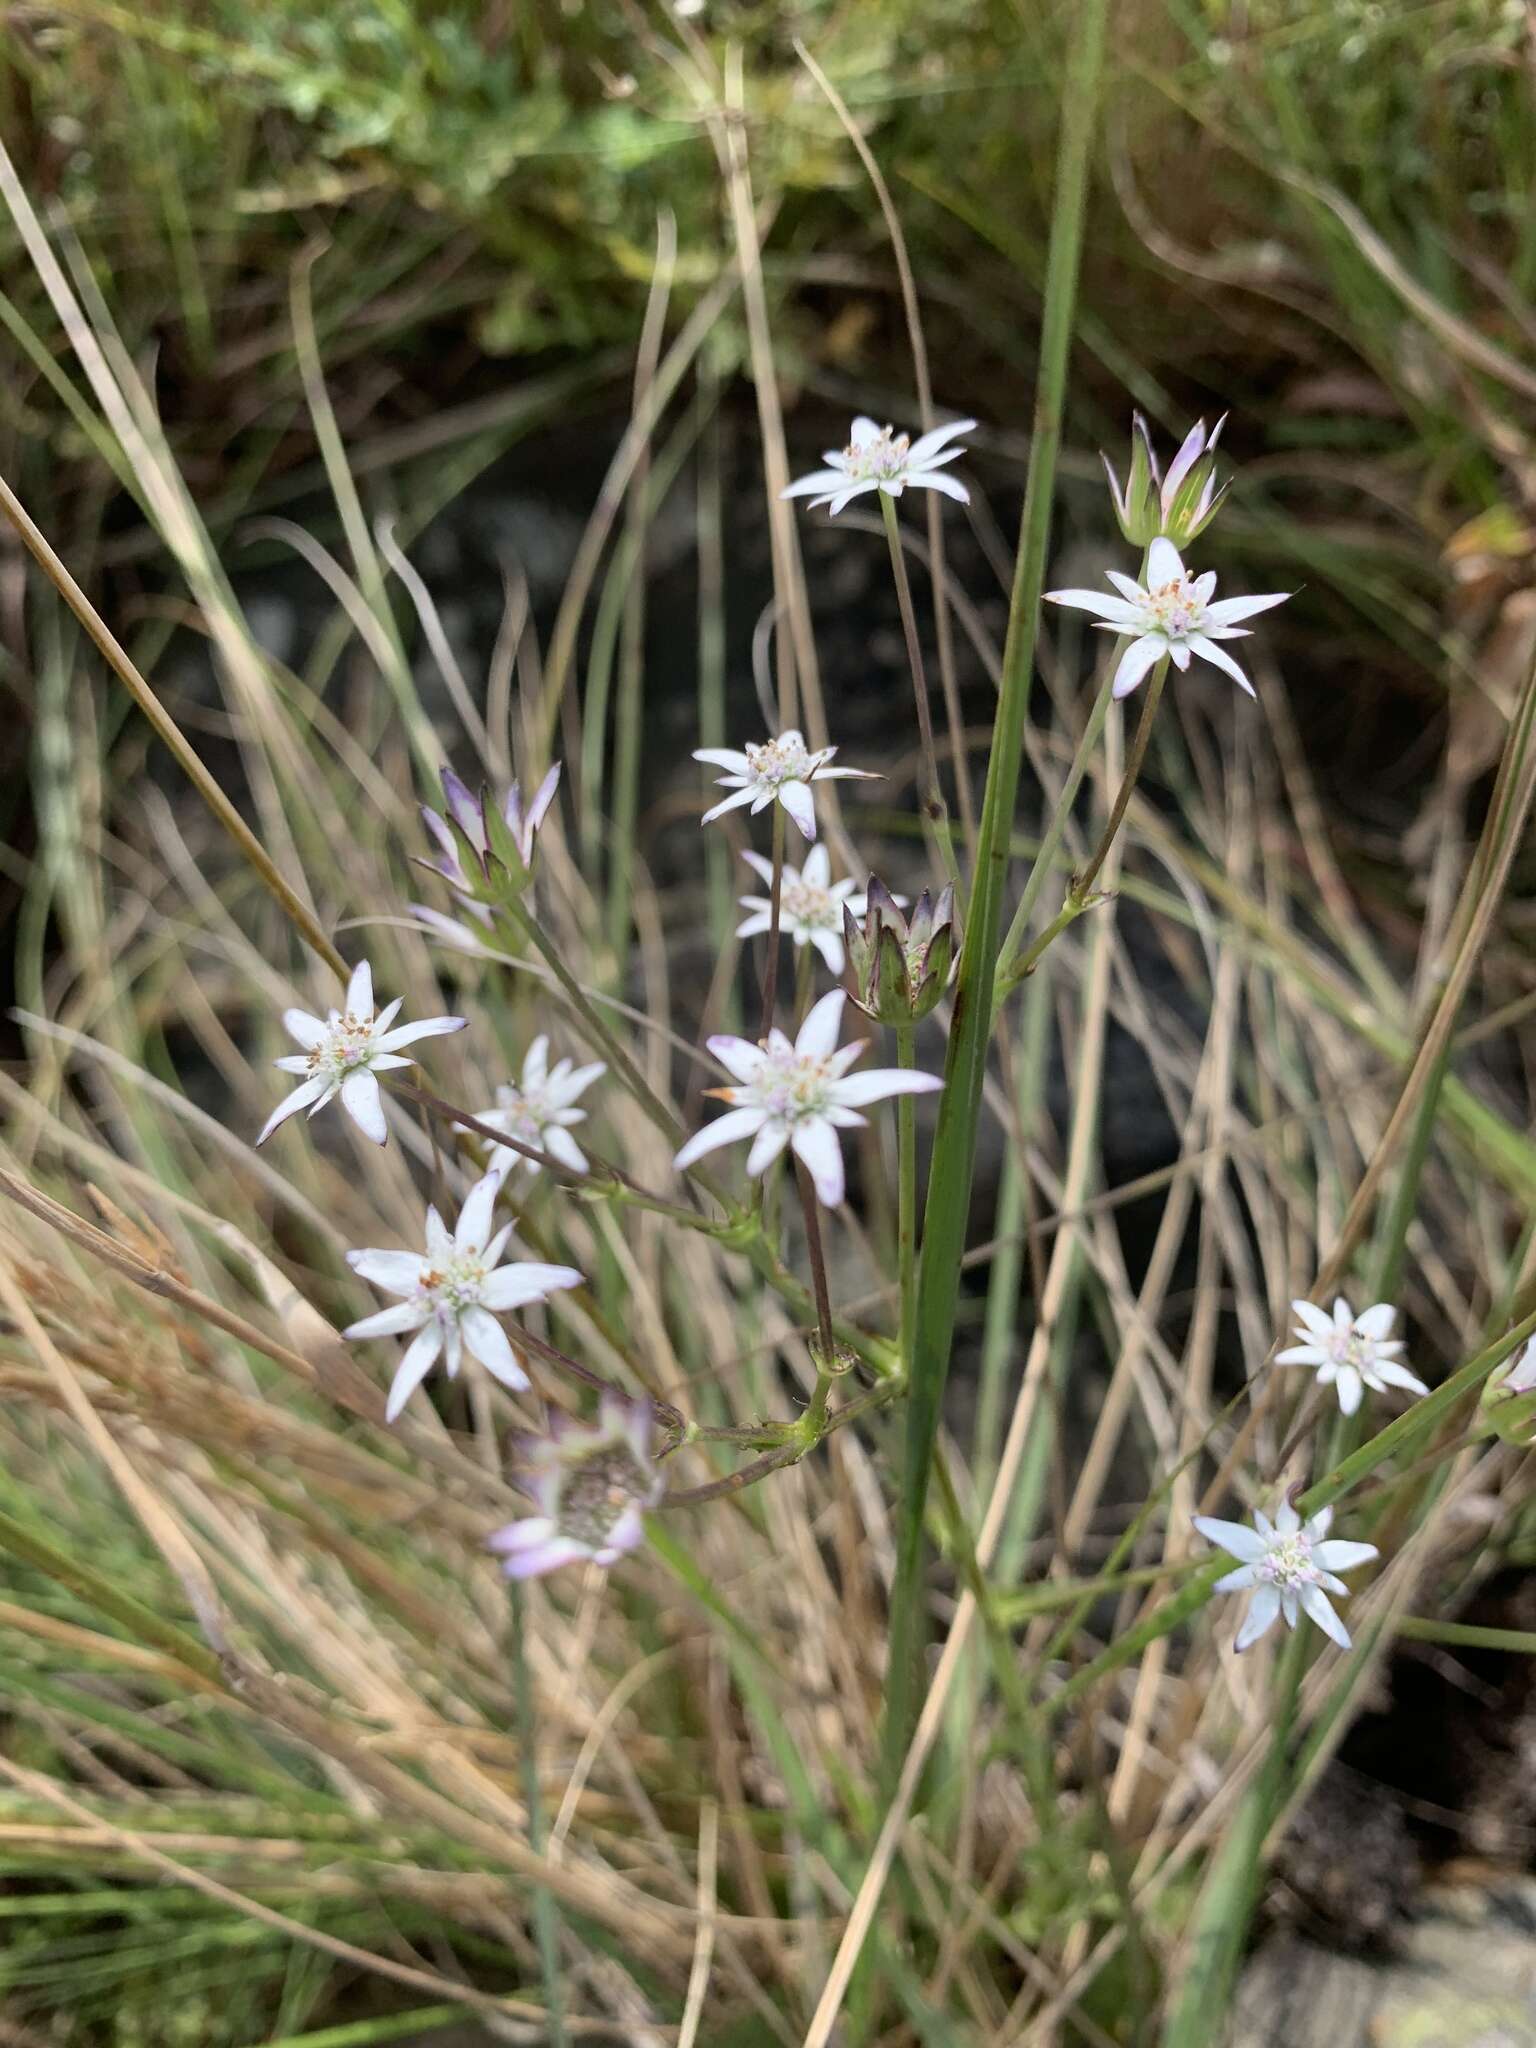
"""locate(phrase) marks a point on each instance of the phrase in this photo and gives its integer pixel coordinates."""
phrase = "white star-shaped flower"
(1174, 615)
(811, 905)
(538, 1108)
(453, 1295)
(1349, 1351)
(775, 771)
(1289, 1568)
(343, 1052)
(879, 459)
(799, 1095)
(592, 1483)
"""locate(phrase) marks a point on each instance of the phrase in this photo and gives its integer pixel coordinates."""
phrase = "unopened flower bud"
(487, 851)
(1508, 1404)
(898, 967)
(1179, 505)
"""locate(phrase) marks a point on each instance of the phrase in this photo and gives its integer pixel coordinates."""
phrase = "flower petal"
(1260, 1618)
(926, 446)
(413, 1368)
(816, 1146)
(301, 1098)
(1140, 656)
(766, 1147)
(729, 1129)
(817, 480)
(389, 1322)
(739, 1056)
(818, 1035)
(308, 1030)
(525, 1281)
(486, 1340)
(797, 800)
(874, 1084)
(1377, 1320)
(429, 1027)
(1236, 1538)
(474, 1224)
(1211, 651)
(940, 480)
(1315, 1603)
(360, 990)
(395, 1272)
(1114, 609)
(1339, 1556)
(360, 1099)
(1226, 611)
(1163, 563)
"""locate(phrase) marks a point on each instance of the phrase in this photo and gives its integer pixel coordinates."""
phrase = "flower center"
(1348, 1347)
(793, 1087)
(456, 1284)
(884, 456)
(1288, 1561)
(597, 1492)
(1174, 609)
(347, 1045)
(523, 1115)
(777, 761)
(804, 903)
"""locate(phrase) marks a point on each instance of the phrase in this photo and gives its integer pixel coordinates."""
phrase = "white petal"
(1390, 1374)
(817, 480)
(733, 802)
(876, 1083)
(524, 1535)
(1236, 1538)
(797, 800)
(815, 1144)
(817, 870)
(1315, 1602)
(360, 990)
(1163, 563)
(1351, 1389)
(863, 431)
(429, 1027)
(729, 1129)
(487, 1340)
(1137, 659)
(1377, 1320)
(1339, 1556)
(1128, 588)
(474, 1224)
(385, 1018)
(1287, 1520)
(395, 1272)
(818, 1034)
(766, 1147)
(1240, 1581)
(1260, 1618)
(754, 926)
(527, 1280)
(413, 1369)
(1114, 609)
(360, 1099)
(301, 1098)
(759, 866)
(299, 1024)
(439, 1243)
(563, 1147)
(293, 1063)
(926, 446)
(1226, 611)
(1302, 1354)
(1209, 650)
(547, 1557)
(830, 947)
(940, 480)
(1317, 1320)
(739, 1057)
(723, 757)
(389, 1322)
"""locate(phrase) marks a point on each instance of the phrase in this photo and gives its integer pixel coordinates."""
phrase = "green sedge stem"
(906, 1195)
(949, 1180)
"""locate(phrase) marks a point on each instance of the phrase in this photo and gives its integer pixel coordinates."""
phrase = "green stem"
(1050, 846)
(775, 902)
(934, 807)
(546, 1914)
(949, 1180)
(825, 1335)
(624, 1067)
(906, 1195)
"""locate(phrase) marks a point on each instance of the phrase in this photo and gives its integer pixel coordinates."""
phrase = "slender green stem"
(906, 1195)
(825, 1334)
(1045, 859)
(775, 904)
(546, 1914)
(935, 810)
(949, 1181)
(624, 1067)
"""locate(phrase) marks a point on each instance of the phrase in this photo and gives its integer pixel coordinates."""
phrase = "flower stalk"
(934, 807)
